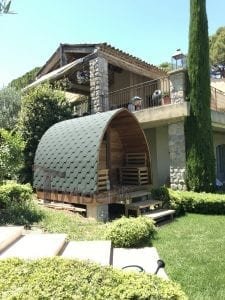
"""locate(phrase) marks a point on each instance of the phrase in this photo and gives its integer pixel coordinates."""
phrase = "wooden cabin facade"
(93, 161)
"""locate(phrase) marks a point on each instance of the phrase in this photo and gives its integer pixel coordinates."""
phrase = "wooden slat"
(103, 177)
(134, 175)
(103, 171)
(136, 159)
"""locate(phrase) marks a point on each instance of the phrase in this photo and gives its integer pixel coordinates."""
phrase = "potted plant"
(166, 98)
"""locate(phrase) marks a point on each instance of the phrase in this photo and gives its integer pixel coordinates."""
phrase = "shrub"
(204, 203)
(130, 232)
(16, 204)
(11, 154)
(162, 194)
(42, 107)
(57, 278)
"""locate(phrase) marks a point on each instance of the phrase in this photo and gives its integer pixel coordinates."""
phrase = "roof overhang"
(62, 72)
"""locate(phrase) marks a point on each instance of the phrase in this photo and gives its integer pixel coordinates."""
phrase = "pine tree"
(199, 141)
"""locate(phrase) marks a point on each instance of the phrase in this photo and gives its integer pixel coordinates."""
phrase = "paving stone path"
(15, 242)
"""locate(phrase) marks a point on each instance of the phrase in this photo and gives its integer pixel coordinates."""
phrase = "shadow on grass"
(17, 215)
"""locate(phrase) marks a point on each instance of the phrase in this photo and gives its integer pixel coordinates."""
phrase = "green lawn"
(193, 248)
(76, 226)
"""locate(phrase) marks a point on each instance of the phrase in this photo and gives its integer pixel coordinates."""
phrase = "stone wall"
(99, 85)
(177, 80)
(177, 155)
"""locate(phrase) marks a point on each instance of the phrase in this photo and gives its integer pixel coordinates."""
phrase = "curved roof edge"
(67, 156)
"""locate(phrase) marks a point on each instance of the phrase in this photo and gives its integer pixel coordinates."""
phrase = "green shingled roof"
(68, 153)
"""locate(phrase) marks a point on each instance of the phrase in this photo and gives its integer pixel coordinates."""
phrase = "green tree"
(9, 107)
(11, 154)
(166, 66)
(217, 46)
(20, 82)
(41, 108)
(199, 141)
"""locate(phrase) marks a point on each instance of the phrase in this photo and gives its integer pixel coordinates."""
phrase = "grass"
(76, 226)
(193, 248)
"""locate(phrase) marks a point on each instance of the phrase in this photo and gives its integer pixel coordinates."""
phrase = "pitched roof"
(105, 48)
(68, 154)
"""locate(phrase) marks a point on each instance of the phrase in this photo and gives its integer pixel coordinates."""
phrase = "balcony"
(140, 96)
(146, 95)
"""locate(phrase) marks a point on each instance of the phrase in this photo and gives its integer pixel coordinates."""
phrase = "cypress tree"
(199, 141)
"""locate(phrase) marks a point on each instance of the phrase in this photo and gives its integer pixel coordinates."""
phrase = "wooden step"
(161, 214)
(139, 206)
(8, 235)
(139, 194)
(95, 251)
(34, 246)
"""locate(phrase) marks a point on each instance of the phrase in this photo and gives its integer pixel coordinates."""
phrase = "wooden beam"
(80, 87)
(69, 49)
(101, 198)
(65, 197)
(116, 61)
(62, 56)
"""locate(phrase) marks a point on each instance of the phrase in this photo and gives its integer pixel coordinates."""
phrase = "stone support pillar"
(177, 155)
(99, 85)
(99, 212)
(177, 79)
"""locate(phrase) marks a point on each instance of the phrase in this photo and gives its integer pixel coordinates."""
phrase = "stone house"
(108, 78)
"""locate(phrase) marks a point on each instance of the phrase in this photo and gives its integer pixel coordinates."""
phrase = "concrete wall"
(151, 138)
(218, 139)
(163, 159)
(218, 84)
(159, 151)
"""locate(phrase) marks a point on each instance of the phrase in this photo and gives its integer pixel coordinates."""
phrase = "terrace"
(145, 95)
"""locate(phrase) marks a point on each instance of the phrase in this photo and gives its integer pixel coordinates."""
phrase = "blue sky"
(149, 29)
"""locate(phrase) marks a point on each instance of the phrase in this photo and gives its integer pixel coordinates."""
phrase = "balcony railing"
(217, 100)
(144, 95)
(141, 96)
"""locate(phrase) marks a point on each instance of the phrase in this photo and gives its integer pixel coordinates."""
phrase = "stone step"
(144, 257)
(95, 251)
(34, 246)
(8, 235)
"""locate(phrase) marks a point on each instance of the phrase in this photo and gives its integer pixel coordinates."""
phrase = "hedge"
(203, 203)
(130, 232)
(58, 278)
(184, 201)
(16, 204)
